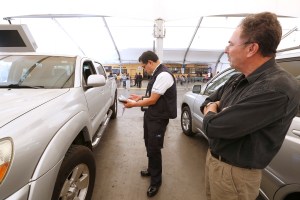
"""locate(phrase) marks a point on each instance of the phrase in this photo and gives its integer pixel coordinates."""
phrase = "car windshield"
(219, 81)
(29, 71)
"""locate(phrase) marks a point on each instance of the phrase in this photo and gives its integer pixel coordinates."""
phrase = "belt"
(219, 157)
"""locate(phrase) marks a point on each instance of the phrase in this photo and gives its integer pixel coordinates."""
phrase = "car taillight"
(6, 149)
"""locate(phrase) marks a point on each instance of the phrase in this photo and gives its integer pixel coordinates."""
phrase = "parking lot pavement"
(121, 155)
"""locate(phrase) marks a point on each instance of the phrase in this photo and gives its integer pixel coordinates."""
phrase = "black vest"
(166, 105)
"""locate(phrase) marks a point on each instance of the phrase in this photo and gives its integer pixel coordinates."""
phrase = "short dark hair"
(148, 55)
(264, 29)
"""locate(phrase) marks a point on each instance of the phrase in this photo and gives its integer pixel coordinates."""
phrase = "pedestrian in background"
(246, 119)
(135, 79)
(139, 80)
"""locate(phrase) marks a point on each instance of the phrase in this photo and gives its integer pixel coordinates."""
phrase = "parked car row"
(281, 178)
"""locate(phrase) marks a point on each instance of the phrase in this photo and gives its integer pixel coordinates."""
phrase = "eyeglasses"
(236, 45)
(144, 66)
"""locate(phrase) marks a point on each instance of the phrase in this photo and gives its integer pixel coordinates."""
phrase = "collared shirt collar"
(156, 68)
(259, 71)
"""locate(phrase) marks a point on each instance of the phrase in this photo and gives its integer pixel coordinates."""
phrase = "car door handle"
(296, 132)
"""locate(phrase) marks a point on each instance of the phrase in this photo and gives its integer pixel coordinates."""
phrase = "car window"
(291, 65)
(37, 71)
(87, 70)
(218, 81)
(100, 69)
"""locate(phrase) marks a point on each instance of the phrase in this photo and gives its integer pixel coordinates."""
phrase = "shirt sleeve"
(163, 81)
(247, 116)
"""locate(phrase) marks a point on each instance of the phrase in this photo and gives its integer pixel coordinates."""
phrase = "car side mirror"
(96, 80)
(196, 89)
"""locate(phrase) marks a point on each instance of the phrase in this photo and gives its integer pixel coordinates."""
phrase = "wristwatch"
(209, 103)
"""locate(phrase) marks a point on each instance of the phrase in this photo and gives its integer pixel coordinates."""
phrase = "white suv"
(53, 111)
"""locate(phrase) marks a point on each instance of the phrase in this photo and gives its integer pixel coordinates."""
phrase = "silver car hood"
(16, 102)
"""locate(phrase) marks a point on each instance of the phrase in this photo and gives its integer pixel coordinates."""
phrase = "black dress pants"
(154, 132)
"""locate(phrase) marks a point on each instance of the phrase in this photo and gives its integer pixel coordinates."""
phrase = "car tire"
(186, 121)
(76, 176)
(114, 107)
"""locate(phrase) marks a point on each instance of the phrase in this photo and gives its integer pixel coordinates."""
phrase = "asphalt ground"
(121, 156)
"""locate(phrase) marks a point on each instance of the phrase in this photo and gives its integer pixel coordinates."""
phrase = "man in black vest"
(161, 100)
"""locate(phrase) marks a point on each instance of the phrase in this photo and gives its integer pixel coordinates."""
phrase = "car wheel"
(114, 107)
(76, 176)
(186, 121)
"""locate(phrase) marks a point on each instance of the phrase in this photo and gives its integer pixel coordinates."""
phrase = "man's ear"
(253, 48)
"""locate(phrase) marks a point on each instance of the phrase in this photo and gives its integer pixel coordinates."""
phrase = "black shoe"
(145, 173)
(152, 190)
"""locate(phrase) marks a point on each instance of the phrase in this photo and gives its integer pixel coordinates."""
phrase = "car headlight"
(6, 148)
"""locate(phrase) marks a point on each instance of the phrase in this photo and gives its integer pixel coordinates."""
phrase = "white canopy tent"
(117, 31)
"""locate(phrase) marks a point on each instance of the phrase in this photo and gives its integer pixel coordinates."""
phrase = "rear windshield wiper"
(20, 86)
